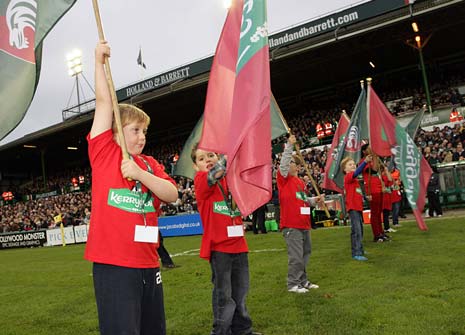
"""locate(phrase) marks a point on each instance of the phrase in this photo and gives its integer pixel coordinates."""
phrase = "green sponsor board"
(130, 201)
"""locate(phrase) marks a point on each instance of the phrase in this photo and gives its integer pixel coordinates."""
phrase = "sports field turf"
(412, 285)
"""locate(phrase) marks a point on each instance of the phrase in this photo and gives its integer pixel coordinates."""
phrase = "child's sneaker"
(360, 258)
(298, 289)
(310, 286)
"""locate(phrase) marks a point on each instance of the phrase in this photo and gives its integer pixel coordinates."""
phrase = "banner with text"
(180, 225)
(24, 239)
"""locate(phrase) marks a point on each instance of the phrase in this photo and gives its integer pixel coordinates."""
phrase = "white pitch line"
(195, 252)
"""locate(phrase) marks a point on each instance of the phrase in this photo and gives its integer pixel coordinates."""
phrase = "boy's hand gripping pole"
(111, 86)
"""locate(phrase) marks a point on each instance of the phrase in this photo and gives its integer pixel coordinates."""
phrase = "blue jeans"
(395, 212)
(356, 232)
(129, 300)
(299, 248)
(230, 278)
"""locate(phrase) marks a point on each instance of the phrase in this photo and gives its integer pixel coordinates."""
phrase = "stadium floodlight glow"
(227, 4)
(415, 27)
(418, 40)
(372, 64)
(74, 62)
(72, 148)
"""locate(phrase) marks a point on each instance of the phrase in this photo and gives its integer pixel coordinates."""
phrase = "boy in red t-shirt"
(354, 203)
(387, 197)
(295, 219)
(123, 231)
(372, 178)
(223, 244)
(396, 197)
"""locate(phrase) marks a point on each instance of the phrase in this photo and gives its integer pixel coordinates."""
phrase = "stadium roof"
(306, 69)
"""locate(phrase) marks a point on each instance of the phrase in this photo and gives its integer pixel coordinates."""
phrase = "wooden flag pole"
(114, 99)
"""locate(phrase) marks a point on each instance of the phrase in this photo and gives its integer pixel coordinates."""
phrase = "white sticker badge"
(148, 234)
(305, 210)
(235, 231)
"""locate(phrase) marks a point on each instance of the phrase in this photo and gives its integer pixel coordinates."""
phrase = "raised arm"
(287, 156)
(103, 116)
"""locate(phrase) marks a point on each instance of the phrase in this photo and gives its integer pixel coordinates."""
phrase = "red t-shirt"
(375, 182)
(116, 210)
(216, 218)
(353, 193)
(291, 194)
(387, 195)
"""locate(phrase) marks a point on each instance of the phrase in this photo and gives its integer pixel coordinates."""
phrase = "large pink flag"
(237, 110)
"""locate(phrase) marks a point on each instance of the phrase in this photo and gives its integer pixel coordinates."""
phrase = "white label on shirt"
(235, 231)
(305, 210)
(147, 234)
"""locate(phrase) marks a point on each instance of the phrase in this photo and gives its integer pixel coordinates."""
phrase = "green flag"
(412, 127)
(23, 27)
(351, 143)
(184, 164)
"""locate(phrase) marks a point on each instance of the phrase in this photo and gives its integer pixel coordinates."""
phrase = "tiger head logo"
(17, 29)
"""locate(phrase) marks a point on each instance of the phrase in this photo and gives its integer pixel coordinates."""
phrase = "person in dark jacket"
(434, 205)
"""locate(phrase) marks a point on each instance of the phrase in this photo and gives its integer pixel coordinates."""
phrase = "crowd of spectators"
(439, 145)
(73, 208)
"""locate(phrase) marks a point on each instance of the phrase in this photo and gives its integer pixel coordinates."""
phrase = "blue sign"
(180, 225)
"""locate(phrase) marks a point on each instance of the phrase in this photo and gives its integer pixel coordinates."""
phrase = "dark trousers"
(258, 220)
(434, 204)
(163, 253)
(395, 213)
(356, 232)
(129, 301)
(230, 278)
(386, 213)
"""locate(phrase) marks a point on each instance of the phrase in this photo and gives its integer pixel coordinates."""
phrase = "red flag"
(387, 137)
(237, 111)
(331, 161)
(382, 125)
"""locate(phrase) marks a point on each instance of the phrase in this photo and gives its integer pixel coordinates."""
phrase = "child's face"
(134, 135)
(293, 168)
(350, 166)
(204, 160)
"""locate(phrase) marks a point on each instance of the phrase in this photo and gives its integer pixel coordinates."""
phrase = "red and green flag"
(23, 27)
(184, 166)
(351, 142)
(338, 140)
(388, 137)
(237, 110)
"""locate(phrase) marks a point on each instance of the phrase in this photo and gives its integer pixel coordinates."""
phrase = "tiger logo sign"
(17, 29)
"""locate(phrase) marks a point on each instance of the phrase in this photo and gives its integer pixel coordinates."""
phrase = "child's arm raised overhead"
(103, 116)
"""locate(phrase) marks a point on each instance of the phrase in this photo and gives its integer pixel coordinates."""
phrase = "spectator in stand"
(459, 153)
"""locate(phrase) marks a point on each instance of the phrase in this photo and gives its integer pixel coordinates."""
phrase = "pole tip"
(369, 80)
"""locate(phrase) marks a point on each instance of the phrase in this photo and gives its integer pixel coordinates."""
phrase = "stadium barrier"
(179, 225)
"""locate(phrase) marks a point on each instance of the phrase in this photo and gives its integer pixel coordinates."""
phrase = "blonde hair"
(129, 114)
(344, 163)
(297, 160)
